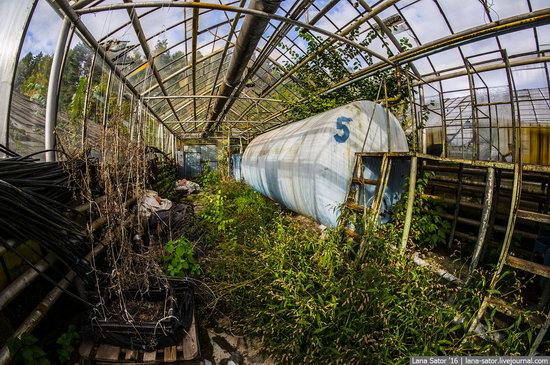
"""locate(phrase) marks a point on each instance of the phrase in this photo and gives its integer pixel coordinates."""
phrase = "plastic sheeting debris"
(151, 202)
(187, 186)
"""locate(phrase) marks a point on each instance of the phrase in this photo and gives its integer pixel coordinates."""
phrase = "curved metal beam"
(134, 18)
(90, 39)
(480, 69)
(235, 9)
(507, 25)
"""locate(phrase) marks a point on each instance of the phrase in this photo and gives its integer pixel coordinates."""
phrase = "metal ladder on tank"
(505, 258)
(357, 200)
(356, 195)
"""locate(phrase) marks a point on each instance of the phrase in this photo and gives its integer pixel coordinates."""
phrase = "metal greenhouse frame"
(234, 80)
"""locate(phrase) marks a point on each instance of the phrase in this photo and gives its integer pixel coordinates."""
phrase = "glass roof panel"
(423, 13)
(518, 42)
(455, 10)
(504, 9)
(415, 22)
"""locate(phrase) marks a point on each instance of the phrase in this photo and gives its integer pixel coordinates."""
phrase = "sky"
(426, 22)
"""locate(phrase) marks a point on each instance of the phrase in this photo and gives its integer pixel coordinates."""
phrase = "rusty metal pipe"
(250, 34)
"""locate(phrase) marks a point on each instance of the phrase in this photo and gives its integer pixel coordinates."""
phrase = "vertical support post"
(107, 96)
(139, 122)
(155, 135)
(474, 109)
(443, 122)
(159, 140)
(388, 125)
(499, 154)
(457, 205)
(87, 100)
(485, 219)
(410, 203)
(490, 115)
(161, 134)
(460, 110)
(52, 98)
(132, 118)
(424, 138)
(174, 155)
(385, 170)
(229, 152)
(414, 116)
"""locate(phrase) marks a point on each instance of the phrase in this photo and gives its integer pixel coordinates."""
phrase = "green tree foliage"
(77, 65)
(25, 68)
(330, 64)
(76, 109)
(32, 76)
(162, 59)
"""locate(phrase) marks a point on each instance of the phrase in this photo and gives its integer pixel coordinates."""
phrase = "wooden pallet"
(187, 351)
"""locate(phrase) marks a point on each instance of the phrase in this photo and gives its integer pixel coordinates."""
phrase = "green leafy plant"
(209, 178)
(313, 298)
(25, 350)
(180, 260)
(215, 213)
(67, 342)
(327, 64)
(428, 228)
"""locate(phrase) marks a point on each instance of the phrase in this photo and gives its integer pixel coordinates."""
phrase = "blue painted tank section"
(236, 166)
(306, 166)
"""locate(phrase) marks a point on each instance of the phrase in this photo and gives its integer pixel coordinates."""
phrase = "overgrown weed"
(323, 300)
(428, 228)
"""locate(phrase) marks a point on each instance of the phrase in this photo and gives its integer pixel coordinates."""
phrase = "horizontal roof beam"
(236, 9)
(212, 97)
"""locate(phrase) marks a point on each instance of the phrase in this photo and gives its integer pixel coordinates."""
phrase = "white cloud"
(42, 31)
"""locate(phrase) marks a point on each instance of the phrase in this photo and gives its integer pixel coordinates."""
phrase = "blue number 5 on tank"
(341, 138)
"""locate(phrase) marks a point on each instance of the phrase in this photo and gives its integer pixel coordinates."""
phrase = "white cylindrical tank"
(306, 166)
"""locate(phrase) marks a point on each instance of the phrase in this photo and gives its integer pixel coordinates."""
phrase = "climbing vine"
(330, 63)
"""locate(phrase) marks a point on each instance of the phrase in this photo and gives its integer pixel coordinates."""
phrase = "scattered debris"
(151, 202)
(187, 186)
(166, 225)
(230, 349)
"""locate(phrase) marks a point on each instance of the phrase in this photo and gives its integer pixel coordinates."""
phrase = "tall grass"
(311, 301)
